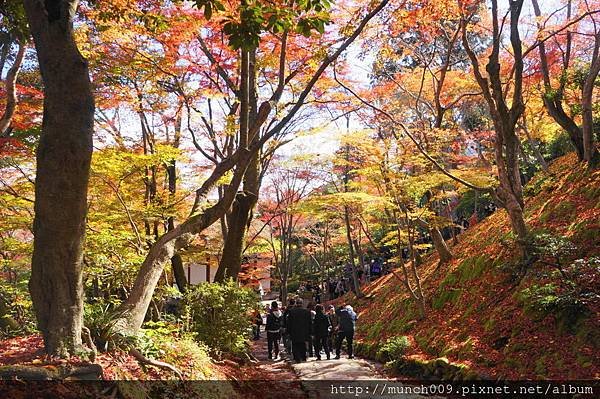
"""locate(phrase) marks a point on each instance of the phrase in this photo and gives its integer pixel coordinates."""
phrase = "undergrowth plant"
(220, 315)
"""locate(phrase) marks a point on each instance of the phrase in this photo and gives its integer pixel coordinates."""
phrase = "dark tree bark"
(590, 152)
(581, 137)
(176, 260)
(509, 193)
(240, 217)
(63, 164)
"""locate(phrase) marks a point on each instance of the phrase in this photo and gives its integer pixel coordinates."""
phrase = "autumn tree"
(557, 59)
(280, 214)
(505, 114)
(134, 309)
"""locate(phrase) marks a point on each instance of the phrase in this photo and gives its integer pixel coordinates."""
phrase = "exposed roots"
(87, 337)
(144, 360)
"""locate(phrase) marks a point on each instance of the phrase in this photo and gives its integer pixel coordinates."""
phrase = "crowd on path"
(310, 331)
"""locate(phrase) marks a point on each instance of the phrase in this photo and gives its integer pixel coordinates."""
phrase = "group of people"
(309, 331)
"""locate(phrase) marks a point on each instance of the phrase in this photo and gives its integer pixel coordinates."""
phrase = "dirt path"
(343, 378)
(273, 377)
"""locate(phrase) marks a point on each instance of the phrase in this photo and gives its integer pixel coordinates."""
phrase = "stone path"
(347, 378)
(343, 378)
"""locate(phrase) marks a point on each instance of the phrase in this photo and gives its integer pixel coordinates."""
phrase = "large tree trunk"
(230, 264)
(63, 164)
(241, 215)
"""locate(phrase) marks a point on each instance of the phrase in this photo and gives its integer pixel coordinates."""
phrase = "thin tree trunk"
(11, 93)
(438, 242)
(590, 152)
(553, 99)
(176, 260)
(355, 283)
(63, 164)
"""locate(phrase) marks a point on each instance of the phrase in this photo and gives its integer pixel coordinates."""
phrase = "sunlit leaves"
(244, 28)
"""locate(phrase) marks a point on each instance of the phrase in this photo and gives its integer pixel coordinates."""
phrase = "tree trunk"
(176, 261)
(509, 193)
(284, 290)
(590, 152)
(439, 243)
(134, 309)
(63, 164)
(241, 216)
(11, 94)
(355, 283)
(553, 99)
(230, 264)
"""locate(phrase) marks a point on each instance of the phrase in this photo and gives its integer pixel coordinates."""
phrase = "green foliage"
(244, 30)
(551, 249)
(394, 348)
(220, 315)
(16, 311)
(152, 338)
(101, 318)
(14, 19)
(558, 147)
(568, 300)
(544, 299)
(472, 201)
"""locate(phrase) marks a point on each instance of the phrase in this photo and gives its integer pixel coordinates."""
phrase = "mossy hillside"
(476, 314)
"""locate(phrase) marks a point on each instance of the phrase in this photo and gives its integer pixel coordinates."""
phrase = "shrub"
(220, 315)
(101, 318)
(394, 348)
(558, 147)
(165, 341)
(471, 201)
(16, 310)
(567, 306)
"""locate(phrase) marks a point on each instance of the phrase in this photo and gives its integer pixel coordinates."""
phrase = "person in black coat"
(321, 329)
(273, 328)
(298, 326)
(333, 321)
(287, 342)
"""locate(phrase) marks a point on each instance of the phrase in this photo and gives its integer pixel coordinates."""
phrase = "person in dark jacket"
(334, 326)
(273, 328)
(346, 322)
(287, 342)
(257, 323)
(321, 328)
(310, 343)
(298, 326)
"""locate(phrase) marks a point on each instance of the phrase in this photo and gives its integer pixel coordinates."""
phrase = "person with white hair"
(346, 323)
